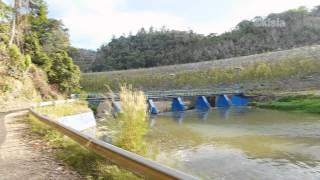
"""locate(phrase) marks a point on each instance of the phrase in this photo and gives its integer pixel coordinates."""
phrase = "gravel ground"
(24, 156)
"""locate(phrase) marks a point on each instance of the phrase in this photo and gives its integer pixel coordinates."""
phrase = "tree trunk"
(16, 10)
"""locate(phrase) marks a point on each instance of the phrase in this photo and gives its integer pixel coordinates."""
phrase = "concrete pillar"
(223, 101)
(152, 107)
(116, 106)
(240, 100)
(202, 103)
(178, 105)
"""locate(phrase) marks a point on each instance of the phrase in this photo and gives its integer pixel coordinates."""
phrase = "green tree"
(48, 44)
(64, 73)
(166, 47)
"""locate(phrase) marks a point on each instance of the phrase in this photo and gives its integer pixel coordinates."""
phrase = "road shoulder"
(23, 155)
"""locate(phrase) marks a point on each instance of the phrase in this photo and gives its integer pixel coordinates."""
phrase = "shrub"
(27, 61)
(15, 53)
(64, 73)
(18, 59)
(4, 39)
(3, 47)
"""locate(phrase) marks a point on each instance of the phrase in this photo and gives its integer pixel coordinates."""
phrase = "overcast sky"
(93, 22)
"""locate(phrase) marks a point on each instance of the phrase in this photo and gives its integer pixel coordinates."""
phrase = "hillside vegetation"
(84, 58)
(159, 47)
(301, 65)
(34, 62)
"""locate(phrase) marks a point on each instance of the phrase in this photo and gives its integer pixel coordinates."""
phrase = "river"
(243, 143)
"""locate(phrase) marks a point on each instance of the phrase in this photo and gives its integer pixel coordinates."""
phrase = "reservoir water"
(243, 143)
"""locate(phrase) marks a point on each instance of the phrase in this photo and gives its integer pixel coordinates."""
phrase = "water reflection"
(203, 115)
(224, 113)
(237, 143)
(251, 143)
(153, 119)
(178, 116)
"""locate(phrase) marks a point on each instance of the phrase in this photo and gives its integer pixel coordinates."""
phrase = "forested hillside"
(150, 48)
(84, 58)
(33, 45)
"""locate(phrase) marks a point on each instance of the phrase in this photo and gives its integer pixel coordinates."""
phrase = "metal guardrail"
(133, 162)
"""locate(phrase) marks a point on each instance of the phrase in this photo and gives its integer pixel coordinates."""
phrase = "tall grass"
(132, 120)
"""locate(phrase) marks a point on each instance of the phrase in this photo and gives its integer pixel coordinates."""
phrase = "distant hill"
(152, 48)
(84, 58)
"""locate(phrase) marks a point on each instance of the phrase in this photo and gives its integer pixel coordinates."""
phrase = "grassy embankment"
(303, 103)
(64, 109)
(87, 163)
(181, 76)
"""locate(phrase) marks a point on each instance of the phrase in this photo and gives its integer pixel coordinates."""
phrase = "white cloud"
(93, 22)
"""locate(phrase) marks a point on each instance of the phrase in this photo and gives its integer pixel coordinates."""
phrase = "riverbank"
(297, 103)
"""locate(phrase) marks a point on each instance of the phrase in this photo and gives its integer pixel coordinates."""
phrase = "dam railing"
(162, 94)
